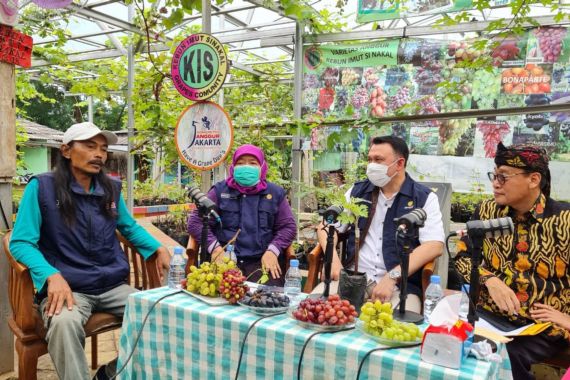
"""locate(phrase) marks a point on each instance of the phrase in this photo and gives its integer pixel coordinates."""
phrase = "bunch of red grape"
(428, 105)
(327, 312)
(493, 133)
(550, 42)
(232, 286)
(401, 98)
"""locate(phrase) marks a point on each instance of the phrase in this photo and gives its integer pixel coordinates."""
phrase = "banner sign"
(403, 76)
(204, 135)
(9, 12)
(378, 10)
(15, 47)
(199, 66)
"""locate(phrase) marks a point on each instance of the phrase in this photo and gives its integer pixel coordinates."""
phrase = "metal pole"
(7, 171)
(296, 153)
(90, 108)
(206, 28)
(131, 116)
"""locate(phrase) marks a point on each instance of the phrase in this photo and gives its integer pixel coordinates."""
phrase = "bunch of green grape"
(378, 321)
(486, 88)
(206, 279)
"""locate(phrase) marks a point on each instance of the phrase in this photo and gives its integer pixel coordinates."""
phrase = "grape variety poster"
(401, 77)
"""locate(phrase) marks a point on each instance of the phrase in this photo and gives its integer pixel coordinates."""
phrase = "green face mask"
(247, 175)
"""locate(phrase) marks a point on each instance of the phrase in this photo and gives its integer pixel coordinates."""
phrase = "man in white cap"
(65, 234)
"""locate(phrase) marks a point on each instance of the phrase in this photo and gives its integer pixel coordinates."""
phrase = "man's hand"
(58, 292)
(383, 289)
(162, 262)
(336, 266)
(503, 296)
(270, 263)
(217, 255)
(547, 313)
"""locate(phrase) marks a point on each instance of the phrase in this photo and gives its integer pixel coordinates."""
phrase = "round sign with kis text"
(204, 135)
(199, 66)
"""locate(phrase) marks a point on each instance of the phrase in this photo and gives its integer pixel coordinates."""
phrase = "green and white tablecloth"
(185, 338)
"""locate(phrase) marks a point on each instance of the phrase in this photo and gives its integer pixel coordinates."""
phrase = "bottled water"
(177, 269)
(293, 281)
(230, 253)
(464, 305)
(434, 293)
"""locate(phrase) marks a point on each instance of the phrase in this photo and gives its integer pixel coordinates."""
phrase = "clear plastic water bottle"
(177, 266)
(292, 286)
(464, 305)
(230, 252)
(434, 293)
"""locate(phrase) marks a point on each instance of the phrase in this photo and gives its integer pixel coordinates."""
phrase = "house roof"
(40, 135)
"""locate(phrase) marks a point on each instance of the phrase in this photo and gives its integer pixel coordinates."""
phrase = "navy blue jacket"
(253, 214)
(411, 195)
(88, 254)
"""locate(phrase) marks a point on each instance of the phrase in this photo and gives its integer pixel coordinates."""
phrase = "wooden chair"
(193, 248)
(27, 324)
(315, 259)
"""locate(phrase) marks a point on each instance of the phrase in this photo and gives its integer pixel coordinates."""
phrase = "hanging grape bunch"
(370, 76)
(486, 88)
(428, 105)
(360, 98)
(428, 77)
(401, 98)
(450, 133)
(557, 75)
(326, 98)
(462, 51)
(311, 81)
(536, 121)
(341, 98)
(348, 77)
(410, 50)
(330, 77)
(507, 50)
(493, 133)
(377, 102)
(550, 41)
(431, 53)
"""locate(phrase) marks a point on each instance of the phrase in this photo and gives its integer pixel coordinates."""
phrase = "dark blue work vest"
(411, 195)
(88, 254)
(253, 214)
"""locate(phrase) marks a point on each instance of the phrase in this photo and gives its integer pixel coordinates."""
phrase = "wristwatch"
(395, 274)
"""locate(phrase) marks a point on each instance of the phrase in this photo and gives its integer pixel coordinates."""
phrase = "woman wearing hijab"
(259, 209)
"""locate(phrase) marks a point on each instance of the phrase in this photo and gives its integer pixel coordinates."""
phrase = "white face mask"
(378, 173)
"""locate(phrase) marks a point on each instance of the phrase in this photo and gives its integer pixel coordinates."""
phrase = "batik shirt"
(533, 261)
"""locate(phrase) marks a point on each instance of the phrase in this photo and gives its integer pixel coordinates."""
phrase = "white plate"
(212, 301)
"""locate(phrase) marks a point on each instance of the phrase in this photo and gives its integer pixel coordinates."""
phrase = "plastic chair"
(27, 324)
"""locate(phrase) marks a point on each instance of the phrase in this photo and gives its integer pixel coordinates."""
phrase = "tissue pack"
(446, 346)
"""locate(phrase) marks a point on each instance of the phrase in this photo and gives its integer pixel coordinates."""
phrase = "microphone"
(491, 228)
(331, 214)
(205, 203)
(415, 218)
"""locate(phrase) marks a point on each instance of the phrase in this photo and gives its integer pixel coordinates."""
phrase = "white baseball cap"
(85, 131)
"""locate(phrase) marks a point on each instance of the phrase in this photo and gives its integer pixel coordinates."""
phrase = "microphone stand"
(328, 259)
(204, 255)
(477, 254)
(406, 236)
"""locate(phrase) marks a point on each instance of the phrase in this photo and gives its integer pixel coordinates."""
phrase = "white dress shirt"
(371, 259)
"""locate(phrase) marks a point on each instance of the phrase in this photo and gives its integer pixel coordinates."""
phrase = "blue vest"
(411, 195)
(254, 214)
(88, 254)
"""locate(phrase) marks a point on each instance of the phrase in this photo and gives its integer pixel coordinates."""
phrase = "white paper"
(482, 323)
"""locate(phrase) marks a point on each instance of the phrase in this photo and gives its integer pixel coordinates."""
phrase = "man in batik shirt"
(531, 265)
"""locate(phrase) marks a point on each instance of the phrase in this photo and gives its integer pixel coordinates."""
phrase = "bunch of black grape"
(265, 298)
(341, 98)
(536, 121)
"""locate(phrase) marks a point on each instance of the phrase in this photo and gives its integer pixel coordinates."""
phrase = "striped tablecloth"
(185, 338)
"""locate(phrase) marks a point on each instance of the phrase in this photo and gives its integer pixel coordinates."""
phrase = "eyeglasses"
(501, 178)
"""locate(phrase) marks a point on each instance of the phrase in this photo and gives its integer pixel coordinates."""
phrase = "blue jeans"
(66, 336)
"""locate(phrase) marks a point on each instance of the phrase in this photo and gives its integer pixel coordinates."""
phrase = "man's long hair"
(63, 177)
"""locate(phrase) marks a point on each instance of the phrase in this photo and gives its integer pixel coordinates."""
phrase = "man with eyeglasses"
(530, 268)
